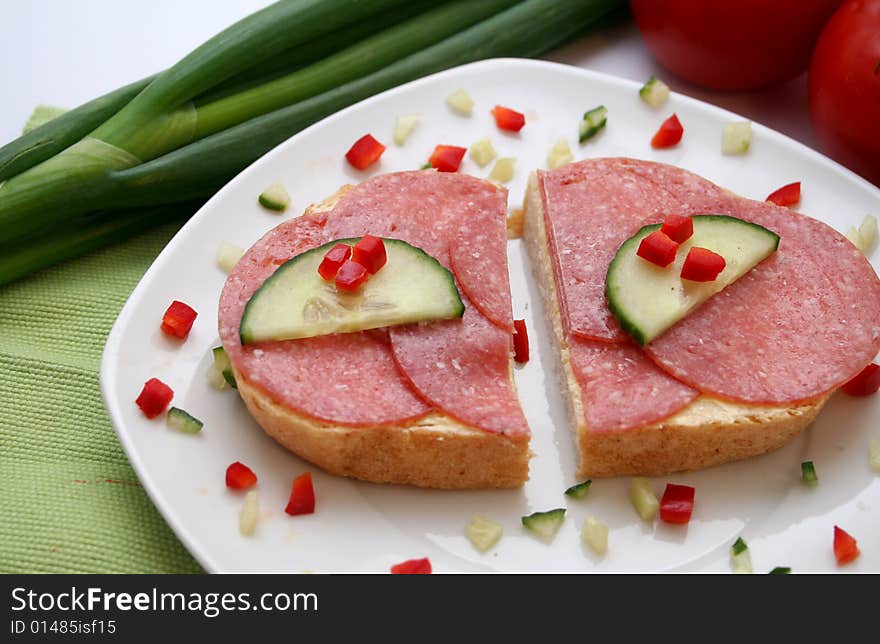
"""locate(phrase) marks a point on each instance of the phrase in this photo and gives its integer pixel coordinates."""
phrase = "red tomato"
(845, 88)
(727, 45)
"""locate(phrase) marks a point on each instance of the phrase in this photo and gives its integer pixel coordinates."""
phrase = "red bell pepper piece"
(520, 342)
(677, 503)
(178, 319)
(412, 567)
(702, 265)
(447, 158)
(334, 258)
(658, 248)
(365, 151)
(302, 496)
(240, 477)
(669, 133)
(370, 253)
(867, 382)
(845, 547)
(508, 119)
(787, 195)
(350, 276)
(154, 397)
(678, 228)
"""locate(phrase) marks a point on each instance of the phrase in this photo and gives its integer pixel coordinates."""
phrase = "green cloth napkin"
(69, 500)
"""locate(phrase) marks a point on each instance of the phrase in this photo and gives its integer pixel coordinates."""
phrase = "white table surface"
(65, 52)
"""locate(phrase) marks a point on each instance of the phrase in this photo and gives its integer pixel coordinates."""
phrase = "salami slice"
(622, 388)
(463, 367)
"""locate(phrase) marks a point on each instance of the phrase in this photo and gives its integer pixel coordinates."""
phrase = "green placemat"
(69, 500)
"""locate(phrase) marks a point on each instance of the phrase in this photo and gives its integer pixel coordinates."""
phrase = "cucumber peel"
(545, 525)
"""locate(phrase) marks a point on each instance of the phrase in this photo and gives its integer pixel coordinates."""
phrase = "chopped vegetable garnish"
(868, 233)
(545, 524)
(183, 422)
(845, 547)
(655, 92)
(808, 473)
(579, 490)
(520, 342)
(334, 258)
(669, 134)
(447, 158)
(503, 170)
(228, 255)
(302, 495)
(740, 557)
(250, 513)
(240, 477)
(483, 152)
(678, 228)
(867, 382)
(154, 397)
(412, 567)
(874, 454)
(736, 137)
(351, 276)
(461, 102)
(365, 151)
(404, 126)
(224, 366)
(216, 379)
(592, 122)
(515, 221)
(643, 498)
(370, 253)
(275, 197)
(508, 119)
(739, 546)
(483, 532)
(787, 195)
(702, 265)
(658, 249)
(178, 319)
(559, 155)
(594, 533)
(780, 570)
(677, 504)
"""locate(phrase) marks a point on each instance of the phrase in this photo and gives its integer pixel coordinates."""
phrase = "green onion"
(780, 570)
(808, 473)
(579, 490)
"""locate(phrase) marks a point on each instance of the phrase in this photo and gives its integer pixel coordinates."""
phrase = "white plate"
(365, 527)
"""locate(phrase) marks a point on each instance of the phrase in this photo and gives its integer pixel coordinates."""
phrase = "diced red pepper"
(178, 319)
(350, 276)
(864, 384)
(334, 258)
(508, 119)
(702, 265)
(677, 503)
(520, 342)
(845, 547)
(302, 495)
(365, 151)
(658, 249)
(669, 133)
(240, 477)
(678, 228)
(412, 567)
(370, 253)
(447, 158)
(787, 195)
(154, 397)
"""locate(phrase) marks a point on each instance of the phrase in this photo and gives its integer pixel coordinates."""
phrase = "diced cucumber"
(228, 255)
(545, 524)
(655, 92)
(808, 473)
(224, 366)
(740, 558)
(579, 490)
(183, 422)
(503, 170)
(249, 515)
(643, 498)
(736, 137)
(559, 155)
(404, 126)
(483, 532)
(483, 152)
(648, 299)
(296, 302)
(780, 570)
(592, 122)
(874, 455)
(461, 102)
(595, 534)
(275, 198)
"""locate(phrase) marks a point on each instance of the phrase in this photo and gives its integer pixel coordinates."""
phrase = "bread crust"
(707, 432)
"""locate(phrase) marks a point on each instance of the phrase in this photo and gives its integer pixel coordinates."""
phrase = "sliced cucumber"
(593, 121)
(275, 197)
(183, 422)
(296, 302)
(654, 92)
(224, 366)
(483, 532)
(740, 558)
(580, 490)
(648, 299)
(808, 473)
(545, 524)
